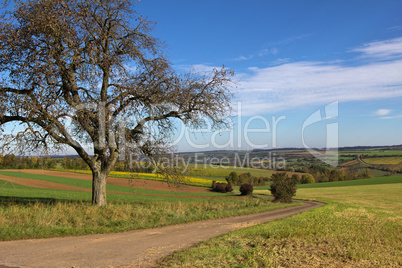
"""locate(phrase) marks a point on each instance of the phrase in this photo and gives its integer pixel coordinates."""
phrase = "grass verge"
(359, 227)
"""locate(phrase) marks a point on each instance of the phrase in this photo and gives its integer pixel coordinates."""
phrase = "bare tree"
(89, 71)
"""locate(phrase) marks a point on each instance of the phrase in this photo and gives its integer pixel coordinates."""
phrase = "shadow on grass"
(12, 200)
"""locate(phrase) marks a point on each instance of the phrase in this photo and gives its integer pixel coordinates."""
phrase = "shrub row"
(238, 180)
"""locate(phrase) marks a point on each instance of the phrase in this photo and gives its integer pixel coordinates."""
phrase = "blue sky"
(311, 73)
(292, 59)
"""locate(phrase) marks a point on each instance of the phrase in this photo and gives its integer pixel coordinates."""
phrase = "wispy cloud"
(390, 117)
(261, 53)
(382, 49)
(241, 58)
(385, 114)
(395, 28)
(299, 84)
(281, 61)
(197, 68)
(382, 112)
(271, 48)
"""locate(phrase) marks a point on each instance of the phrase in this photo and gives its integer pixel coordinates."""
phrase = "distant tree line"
(325, 174)
(11, 161)
(237, 180)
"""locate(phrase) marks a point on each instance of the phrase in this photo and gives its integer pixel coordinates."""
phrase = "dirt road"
(130, 249)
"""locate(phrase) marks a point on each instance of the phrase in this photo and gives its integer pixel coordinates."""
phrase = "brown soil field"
(42, 184)
(135, 183)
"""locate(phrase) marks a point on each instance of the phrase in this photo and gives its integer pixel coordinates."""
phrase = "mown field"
(28, 212)
(361, 226)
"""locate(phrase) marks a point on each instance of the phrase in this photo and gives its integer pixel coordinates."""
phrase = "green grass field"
(361, 226)
(219, 173)
(27, 212)
(369, 181)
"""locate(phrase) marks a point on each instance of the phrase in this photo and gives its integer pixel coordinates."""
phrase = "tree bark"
(99, 187)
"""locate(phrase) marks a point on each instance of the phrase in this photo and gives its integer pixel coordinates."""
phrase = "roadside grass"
(27, 213)
(360, 226)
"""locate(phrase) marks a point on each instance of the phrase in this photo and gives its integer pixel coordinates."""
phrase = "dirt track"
(130, 249)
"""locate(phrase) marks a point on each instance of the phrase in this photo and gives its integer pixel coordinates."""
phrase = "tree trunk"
(99, 187)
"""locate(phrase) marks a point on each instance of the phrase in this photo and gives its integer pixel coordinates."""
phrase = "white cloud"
(382, 49)
(240, 58)
(382, 112)
(300, 84)
(281, 61)
(391, 117)
(261, 53)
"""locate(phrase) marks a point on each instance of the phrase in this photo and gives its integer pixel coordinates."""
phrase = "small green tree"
(232, 178)
(296, 178)
(367, 173)
(244, 178)
(307, 179)
(283, 187)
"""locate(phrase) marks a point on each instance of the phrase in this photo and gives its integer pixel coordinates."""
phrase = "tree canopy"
(78, 71)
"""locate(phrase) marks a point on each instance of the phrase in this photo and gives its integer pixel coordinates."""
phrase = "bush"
(232, 178)
(296, 178)
(245, 178)
(221, 187)
(283, 187)
(246, 189)
(228, 188)
(307, 179)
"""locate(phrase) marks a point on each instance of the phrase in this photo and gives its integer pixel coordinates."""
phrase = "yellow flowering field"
(155, 177)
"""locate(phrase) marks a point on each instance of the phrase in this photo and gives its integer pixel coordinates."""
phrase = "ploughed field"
(62, 180)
